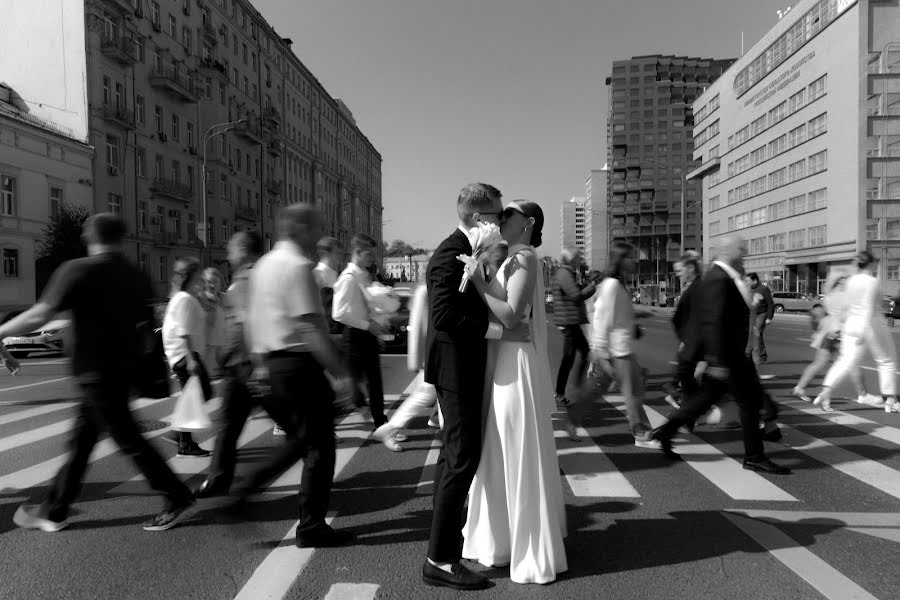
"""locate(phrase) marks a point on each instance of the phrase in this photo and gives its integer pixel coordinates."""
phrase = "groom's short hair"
(476, 197)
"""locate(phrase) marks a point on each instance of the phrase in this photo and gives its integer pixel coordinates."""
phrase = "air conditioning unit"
(112, 169)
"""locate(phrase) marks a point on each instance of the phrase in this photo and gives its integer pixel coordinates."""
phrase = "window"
(817, 235)
(112, 152)
(796, 170)
(190, 134)
(777, 210)
(106, 93)
(796, 101)
(139, 109)
(222, 93)
(796, 239)
(817, 199)
(715, 203)
(56, 198)
(777, 242)
(756, 157)
(224, 229)
(114, 203)
(176, 171)
(10, 262)
(154, 12)
(176, 127)
(173, 27)
(758, 216)
(817, 88)
(742, 220)
(715, 227)
(757, 126)
(158, 167)
(797, 205)
(758, 245)
(758, 186)
(190, 178)
(818, 125)
(142, 215)
(186, 39)
(162, 272)
(777, 146)
(138, 49)
(777, 114)
(158, 117)
(817, 162)
(160, 219)
(796, 136)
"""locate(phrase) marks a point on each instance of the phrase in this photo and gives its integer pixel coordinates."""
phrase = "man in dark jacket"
(569, 314)
(688, 269)
(762, 313)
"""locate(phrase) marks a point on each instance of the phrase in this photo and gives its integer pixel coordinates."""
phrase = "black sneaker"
(167, 518)
(192, 451)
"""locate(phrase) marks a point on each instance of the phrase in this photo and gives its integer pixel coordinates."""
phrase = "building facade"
(176, 89)
(799, 145)
(41, 166)
(650, 149)
(572, 222)
(596, 219)
(406, 268)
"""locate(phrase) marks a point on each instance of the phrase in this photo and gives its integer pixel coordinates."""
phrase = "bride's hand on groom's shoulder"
(521, 333)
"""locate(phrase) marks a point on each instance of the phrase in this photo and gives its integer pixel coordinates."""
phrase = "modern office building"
(41, 166)
(800, 145)
(596, 219)
(650, 149)
(171, 85)
(572, 223)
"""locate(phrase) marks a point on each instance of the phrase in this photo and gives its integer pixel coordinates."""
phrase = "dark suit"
(718, 332)
(455, 365)
(681, 321)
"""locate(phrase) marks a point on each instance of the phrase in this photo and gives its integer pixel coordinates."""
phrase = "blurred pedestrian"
(244, 249)
(569, 315)
(184, 334)
(331, 258)
(109, 299)
(361, 344)
(211, 299)
(9, 361)
(761, 315)
(688, 269)
(287, 331)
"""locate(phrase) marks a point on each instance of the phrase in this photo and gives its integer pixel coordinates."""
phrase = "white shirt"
(613, 323)
(351, 304)
(282, 289)
(325, 276)
(738, 279)
(862, 294)
(184, 318)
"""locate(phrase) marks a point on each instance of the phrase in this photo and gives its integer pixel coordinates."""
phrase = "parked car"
(395, 338)
(50, 338)
(891, 307)
(794, 301)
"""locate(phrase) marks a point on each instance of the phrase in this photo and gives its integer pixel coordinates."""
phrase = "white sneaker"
(647, 443)
(892, 406)
(400, 437)
(387, 435)
(871, 400)
(714, 416)
(277, 430)
(27, 517)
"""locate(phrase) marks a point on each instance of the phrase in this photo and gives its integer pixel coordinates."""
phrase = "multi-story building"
(572, 223)
(800, 145)
(176, 88)
(41, 166)
(406, 268)
(596, 219)
(650, 146)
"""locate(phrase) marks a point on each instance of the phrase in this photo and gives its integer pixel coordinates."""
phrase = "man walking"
(719, 330)
(109, 299)
(331, 256)
(688, 270)
(569, 314)
(763, 312)
(244, 249)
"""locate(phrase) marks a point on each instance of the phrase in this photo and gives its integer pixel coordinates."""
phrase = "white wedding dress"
(516, 514)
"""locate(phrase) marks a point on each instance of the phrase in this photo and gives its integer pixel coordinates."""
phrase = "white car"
(48, 339)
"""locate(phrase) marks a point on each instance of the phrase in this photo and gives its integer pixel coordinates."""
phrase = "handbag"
(190, 413)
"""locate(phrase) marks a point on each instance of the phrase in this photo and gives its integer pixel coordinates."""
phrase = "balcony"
(165, 238)
(707, 167)
(195, 242)
(618, 187)
(167, 188)
(123, 6)
(176, 83)
(209, 32)
(646, 184)
(212, 64)
(246, 213)
(617, 232)
(249, 130)
(275, 147)
(117, 115)
(271, 114)
(273, 186)
(118, 49)
(632, 185)
(617, 209)
(645, 206)
(618, 164)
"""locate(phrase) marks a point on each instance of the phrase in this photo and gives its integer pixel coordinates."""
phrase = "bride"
(516, 514)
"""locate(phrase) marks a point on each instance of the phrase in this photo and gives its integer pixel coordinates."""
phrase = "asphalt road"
(639, 526)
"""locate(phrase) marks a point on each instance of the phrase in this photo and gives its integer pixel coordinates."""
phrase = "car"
(891, 307)
(794, 301)
(548, 302)
(49, 338)
(394, 339)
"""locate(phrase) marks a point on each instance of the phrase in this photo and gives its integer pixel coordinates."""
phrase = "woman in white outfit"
(516, 514)
(864, 327)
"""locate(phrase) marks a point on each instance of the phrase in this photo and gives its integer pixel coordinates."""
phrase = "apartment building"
(572, 220)
(596, 219)
(800, 145)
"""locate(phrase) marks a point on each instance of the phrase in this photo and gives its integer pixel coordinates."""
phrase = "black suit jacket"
(456, 348)
(685, 309)
(719, 322)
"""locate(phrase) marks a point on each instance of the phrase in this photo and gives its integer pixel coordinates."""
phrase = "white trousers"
(421, 403)
(877, 339)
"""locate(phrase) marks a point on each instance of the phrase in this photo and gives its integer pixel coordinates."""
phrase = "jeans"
(574, 343)
(758, 344)
(631, 383)
(238, 404)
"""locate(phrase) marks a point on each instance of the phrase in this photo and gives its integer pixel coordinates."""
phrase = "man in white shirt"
(351, 308)
(331, 257)
(286, 328)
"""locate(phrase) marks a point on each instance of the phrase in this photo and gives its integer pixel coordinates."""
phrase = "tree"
(61, 242)
(401, 248)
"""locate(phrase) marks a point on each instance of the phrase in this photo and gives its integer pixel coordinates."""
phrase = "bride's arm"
(509, 305)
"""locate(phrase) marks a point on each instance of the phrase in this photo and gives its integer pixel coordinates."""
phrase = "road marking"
(815, 571)
(865, 426)
(589, 472)
(891, 535)
(352, 591)
(721, 470)
(35, 412)
(848, 519)
(28, 385)
(425, 487)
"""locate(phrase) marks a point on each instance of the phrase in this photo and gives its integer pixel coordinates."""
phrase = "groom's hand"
(521, 333)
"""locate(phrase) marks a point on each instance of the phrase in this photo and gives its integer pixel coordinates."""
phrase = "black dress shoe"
(773, 435)
(324, 538)
(766, 466)
(460, 579)
(665, 441)
(210, 488)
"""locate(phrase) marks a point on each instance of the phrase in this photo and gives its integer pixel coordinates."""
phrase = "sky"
(509, 92)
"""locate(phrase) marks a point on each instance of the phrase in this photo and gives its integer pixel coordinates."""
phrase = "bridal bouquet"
(482, 237)
(383, 300)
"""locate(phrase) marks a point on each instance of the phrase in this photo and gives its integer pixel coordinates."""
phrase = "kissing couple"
(487, 358)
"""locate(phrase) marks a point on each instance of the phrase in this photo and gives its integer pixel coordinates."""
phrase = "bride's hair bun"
(533, 210)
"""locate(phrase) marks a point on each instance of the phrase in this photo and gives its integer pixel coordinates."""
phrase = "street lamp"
(214, 130)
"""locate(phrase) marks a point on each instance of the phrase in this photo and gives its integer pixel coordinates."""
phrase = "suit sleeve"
(711, 304)
(447, 306)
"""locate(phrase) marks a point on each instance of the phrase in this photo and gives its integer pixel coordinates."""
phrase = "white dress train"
(516, 514)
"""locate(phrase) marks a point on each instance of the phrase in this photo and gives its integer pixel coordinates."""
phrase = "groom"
(456, 343)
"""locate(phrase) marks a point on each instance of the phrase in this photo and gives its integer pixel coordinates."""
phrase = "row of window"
(706, 110)
(816, 163)
(796, 205)
(803, 132)
(9, 197)
(812, 237)
(707, 134)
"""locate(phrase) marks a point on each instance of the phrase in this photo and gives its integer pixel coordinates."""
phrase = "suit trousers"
(744, 386)
(878, 340)
(238, 403)
(363, 354)
(302, 403)
(105, 407)
(457, 463)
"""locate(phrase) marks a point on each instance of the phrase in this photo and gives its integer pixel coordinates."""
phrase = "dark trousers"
(105, 408)
(574, 343)
(759, 344)
(363, 354)
(302, 403)
(181, 373)
(455, 470)
(744, 386)
(238, 404)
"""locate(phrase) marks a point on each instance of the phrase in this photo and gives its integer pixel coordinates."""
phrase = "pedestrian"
(864, 327)
(614, 333)
(689, 271)
(109, 299)
(331, 258)
(826, 324)
(719, 331)
(287, 330)
(184, 334)
(211, 300)
(762, 314)
(244, 249)
(9, 361)
(569, 315)
(353, 310)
